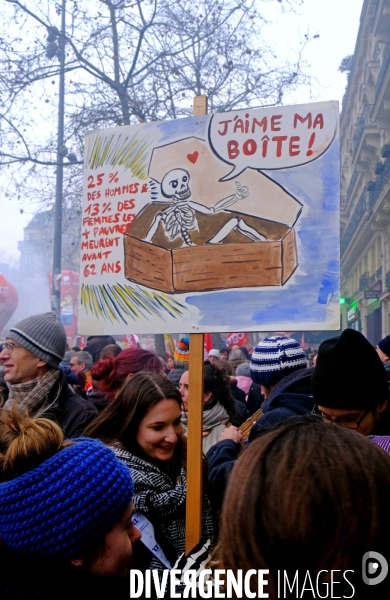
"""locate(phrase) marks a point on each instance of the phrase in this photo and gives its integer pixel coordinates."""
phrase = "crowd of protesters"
(93, 446)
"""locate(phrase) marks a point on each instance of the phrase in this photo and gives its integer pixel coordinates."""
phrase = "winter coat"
(291, 396)
(255, 399)
(237, 392)
(175, 375)
(163, 502)
(221, 458)
(387, 369)
(70, 411)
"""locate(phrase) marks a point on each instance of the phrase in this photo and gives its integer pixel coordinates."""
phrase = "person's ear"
(41, 363)
(130, 375)
(381, 407)
(207, 396)
(77, 562)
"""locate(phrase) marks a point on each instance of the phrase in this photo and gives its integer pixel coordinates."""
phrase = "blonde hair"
(26, 442)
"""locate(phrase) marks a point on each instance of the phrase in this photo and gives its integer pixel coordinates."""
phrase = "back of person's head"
(217, 383)
(110, 350)
(244, 350)
(349, 373)
(112, 372)
(120, 420)
(225, 366)
(243, 370)
(237, 355)
(275, 357)
(306, 497)
(95, 344)
(56, 497)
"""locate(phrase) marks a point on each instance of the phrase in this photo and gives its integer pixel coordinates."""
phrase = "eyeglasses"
(350, 423)
(10, 347)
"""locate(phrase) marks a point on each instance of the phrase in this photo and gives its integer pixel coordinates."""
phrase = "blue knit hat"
(66, 502)
(274, 358)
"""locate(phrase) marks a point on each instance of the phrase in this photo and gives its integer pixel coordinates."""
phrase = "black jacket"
(221, 458)
(71, 412)
(291, 396)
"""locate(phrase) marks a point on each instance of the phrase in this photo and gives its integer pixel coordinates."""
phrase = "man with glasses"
(350, 387)
(31, 357)
(82, 362)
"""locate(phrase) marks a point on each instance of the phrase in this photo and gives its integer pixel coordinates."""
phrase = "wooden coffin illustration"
(237, 261)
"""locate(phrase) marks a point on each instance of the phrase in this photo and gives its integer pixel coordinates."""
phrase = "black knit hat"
(349, 373)
(384, 345)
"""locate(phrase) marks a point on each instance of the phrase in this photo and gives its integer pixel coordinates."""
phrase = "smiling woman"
(143, 426)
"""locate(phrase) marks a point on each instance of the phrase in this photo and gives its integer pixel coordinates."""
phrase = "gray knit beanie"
(43, 335)
(243, 370)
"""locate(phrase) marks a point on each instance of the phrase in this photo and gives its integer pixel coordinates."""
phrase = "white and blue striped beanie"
(274, 358)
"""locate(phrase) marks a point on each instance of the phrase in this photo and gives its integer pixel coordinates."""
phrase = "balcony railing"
(364, 281)
(385, 64)
(354, 178)
(379, 183)
(360, 210)
(363, 122)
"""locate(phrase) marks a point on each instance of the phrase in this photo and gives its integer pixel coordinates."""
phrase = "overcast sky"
(336, 22)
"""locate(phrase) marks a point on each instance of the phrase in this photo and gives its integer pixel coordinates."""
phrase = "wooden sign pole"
(195, 416)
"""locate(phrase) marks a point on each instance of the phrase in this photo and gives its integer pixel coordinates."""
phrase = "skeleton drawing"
(179, 218)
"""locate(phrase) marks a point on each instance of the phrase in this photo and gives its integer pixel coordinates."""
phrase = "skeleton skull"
(175, 184)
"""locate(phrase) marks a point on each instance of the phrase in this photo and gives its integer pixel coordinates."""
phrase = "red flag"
(208, 342)
(237, 339)
(130, 341)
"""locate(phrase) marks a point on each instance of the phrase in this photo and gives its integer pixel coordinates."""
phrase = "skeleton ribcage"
(178, 218)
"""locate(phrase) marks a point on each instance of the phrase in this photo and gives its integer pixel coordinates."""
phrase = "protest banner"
(213, 223)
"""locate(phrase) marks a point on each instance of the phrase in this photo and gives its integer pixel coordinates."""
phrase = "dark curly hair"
(218, 383)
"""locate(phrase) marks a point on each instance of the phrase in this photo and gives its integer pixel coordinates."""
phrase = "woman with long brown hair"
(307, 498)
(143, 426)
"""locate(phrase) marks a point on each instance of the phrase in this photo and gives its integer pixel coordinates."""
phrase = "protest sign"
(211, 223)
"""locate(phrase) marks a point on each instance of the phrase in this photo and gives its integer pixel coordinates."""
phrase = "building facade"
(365, 178)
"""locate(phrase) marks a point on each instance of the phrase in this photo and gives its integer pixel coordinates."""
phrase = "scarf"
(211, 418)
(32, 395)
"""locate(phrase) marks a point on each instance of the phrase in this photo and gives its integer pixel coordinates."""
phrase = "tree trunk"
(159, 345)
(216, 339)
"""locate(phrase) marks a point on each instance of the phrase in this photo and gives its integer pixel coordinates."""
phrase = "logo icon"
(374, 568)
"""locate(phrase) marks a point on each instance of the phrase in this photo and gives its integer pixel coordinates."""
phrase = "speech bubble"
(273, 138)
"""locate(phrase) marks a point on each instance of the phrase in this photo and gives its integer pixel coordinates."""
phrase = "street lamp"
(56, 289)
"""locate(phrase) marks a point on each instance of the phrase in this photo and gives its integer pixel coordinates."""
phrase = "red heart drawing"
(193, 157)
